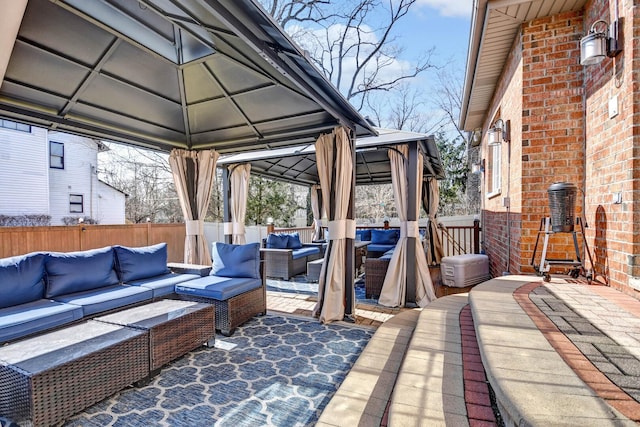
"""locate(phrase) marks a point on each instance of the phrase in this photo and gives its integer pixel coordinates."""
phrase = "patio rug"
(274, 371)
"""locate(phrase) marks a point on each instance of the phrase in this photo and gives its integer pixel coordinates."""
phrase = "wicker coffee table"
(47, 378)
(175, 328)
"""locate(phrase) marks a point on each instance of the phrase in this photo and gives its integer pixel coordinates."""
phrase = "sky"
(440, 23)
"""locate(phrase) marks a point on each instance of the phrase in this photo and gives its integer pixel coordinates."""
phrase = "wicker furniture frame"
(233, 312)
(375, 269)
(174, 328)
(46, 379)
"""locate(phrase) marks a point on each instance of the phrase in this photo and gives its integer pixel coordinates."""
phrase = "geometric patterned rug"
(273, 371)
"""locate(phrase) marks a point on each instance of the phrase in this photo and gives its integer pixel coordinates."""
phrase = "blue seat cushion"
(140, 263)
(385, 237)
(35, 316)
(21, 279)
(363, 235)
(164, 284)
(217, 287)
(71, 272)
(235, 260)
(379, 248)
(305, 251)
(97, 300)
(387, 255)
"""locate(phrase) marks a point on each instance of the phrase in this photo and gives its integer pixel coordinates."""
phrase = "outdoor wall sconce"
(599, 43)
(478, 167)
(476, 137)
(501, 131)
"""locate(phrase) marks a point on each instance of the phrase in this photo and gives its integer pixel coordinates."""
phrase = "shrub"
(75, 220)
(24, 220)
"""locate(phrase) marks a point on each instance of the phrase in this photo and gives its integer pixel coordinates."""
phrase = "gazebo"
(406, 159)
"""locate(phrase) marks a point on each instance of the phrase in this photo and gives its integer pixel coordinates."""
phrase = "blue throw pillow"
(235, 260)
(293, 241)
(363, 235)
(69, 272)
(277, 241)
(384, 237)
(21, 279)
(141, 263)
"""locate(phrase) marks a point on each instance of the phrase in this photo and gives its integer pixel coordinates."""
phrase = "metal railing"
(460, 239)
(456, 239)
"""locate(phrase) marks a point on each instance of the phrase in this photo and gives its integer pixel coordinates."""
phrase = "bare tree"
(352, 42)
(145, 177)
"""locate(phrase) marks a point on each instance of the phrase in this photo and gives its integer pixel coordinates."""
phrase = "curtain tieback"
(409, 229)
(195, 227)
(233, 228)
(342, 229)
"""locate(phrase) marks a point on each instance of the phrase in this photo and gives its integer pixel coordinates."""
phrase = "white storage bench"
(460, 271)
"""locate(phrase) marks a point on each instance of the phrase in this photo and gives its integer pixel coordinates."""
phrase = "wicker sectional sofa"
(42, 291)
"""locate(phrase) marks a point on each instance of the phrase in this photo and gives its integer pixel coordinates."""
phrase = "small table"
(314, 267)
(174, 328)
(182, 268)
(47, 378)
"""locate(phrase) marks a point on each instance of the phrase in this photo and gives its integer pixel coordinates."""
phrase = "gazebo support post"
(412, 204)
(226, 200)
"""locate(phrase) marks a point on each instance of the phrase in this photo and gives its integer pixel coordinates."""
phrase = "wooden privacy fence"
(22, 240)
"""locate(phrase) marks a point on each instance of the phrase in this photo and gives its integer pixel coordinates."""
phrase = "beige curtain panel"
(332, 287)
(394, 288)
(430, 203)
(194, 174)
(317, 215)
(240, 174)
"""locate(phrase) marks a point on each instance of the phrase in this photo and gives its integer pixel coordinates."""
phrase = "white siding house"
(54, 173)
(24, 170)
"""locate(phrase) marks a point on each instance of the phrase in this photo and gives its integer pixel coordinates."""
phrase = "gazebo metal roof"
(161, 74)
(298, 164)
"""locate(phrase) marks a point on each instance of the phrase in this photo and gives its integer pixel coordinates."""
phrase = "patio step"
(364, 394)
(429, 389)
(411, 372)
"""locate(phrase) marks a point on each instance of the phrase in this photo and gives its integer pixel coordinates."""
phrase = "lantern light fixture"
(501, 131)
(602, 41)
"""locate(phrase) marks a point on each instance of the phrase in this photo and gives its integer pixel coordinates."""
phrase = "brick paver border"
(586, 370)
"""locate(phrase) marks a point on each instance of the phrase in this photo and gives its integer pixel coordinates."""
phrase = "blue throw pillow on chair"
(235, 260)
(141, 263)
(384, 237)
(277, 241)
(293, 241)
(363, 235)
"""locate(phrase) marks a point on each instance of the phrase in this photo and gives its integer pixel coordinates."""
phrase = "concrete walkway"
(558, 353)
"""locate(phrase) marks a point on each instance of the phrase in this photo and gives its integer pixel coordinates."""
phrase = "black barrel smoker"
(562, 202)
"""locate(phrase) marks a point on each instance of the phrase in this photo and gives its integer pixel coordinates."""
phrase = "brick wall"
(612, 153)
(562, 130)
(499, 241)
(541, 93)
(553, 125)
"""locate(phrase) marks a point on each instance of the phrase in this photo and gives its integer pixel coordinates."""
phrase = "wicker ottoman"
(175, 328)
(313, 269)
(47, 378)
